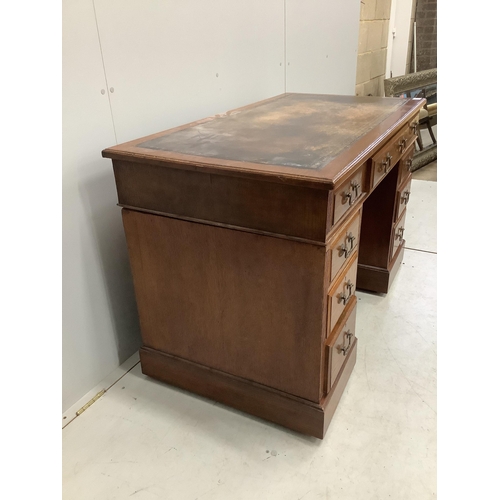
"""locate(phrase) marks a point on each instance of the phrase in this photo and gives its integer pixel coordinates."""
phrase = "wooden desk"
(248, 234)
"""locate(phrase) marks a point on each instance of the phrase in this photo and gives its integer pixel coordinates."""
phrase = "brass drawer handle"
(399, 234)
(355, 185)
(343, 297)
(347, 197)
(349, 336)
(405, 197)
(386, 164)
(409, 163)
(402, 144)
(413, 127)
(343, 248)
(350, 239)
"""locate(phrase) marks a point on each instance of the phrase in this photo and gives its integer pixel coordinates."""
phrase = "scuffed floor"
(146, 440)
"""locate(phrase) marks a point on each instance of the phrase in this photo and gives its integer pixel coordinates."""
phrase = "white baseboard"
(70, 414)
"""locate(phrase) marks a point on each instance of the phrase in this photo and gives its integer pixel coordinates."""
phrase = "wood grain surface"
(245, 304)
(294, 211)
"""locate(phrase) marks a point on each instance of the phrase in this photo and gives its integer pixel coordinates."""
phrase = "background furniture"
(248, 234)
(422, 84)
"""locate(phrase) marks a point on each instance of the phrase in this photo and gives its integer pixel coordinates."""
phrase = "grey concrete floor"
(427, 173)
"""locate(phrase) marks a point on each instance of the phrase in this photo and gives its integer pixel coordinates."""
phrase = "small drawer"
(346, 242)
(390, 153)
(403, 197)
(408, 136)
(403, 142)
(339, 344)
(342, 290)
(405, 164)
(412, 130)
(398, 234)
(383, 162)
(345, 197)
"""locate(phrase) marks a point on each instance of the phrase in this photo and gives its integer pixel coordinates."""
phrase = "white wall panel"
(100, 325)
(401, 24)
(322, 46)
(168, 62)
(172, 61)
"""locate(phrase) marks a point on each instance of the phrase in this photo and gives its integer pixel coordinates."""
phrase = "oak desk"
(248, 234)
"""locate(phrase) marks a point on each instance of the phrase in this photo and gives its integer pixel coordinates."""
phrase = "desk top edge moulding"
(248, 234)
(292, 138)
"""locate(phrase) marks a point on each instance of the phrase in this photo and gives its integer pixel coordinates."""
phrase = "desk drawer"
(340, 293)
(398, 233)
(402, 199)
(405, 164)
(339, 343)
(410, 134)
(346, 242)
(345, 197)
(413, 127)
(390, 153)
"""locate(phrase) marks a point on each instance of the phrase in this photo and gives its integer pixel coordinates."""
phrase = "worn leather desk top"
(307, 137)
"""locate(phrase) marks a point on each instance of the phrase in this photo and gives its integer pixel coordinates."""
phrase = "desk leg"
(376, 269)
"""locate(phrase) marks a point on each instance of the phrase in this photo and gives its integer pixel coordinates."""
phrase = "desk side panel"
(272, 207)
(245, 304)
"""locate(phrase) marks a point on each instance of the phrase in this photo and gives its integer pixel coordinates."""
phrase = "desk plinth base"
(376, 279)
(294, 413)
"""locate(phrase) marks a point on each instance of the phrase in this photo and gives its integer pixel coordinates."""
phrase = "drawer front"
(403, 197)
(383, 162)
(398, 234)
(339, 344)
(412, 130)
(340, 293)
(409, 136)
(405, 164)
(348, 193)
(345, 245)
(390, 153)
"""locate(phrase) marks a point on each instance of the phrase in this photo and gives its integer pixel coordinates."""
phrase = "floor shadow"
(180, 400)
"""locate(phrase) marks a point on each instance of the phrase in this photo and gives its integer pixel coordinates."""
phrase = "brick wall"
(426, 18)
(372, 46)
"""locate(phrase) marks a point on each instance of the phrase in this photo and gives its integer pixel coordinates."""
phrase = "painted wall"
(132, 68)
(322, 46)
(400, 29)
(100, 325)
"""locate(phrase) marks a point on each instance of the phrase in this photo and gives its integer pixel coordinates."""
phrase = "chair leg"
(419, 141)
(431, 133)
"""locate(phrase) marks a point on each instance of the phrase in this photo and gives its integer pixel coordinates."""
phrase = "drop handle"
(344, 249)
(409, 163)
(402, 145)
(349, 336)
(350, 239)
(347, 197)
(355, 187)
(386, 164)
(413, 127)
(400, 233)
(343, 297)
(405, 197)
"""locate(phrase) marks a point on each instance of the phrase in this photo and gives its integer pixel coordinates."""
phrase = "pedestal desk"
(248, 234)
